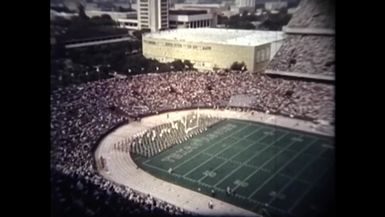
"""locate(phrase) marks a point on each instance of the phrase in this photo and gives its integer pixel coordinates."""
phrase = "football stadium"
(258, 162)
(213, 143)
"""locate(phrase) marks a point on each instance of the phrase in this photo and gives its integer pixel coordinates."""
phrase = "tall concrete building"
(153, 14)
(191, 19)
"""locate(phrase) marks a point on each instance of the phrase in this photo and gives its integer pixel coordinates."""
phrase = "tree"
(138, 33)
(178, 65)
(164, 67)
(222, 19)
(188, 64)
(90, 28)
(276, 21)
(238, 66)
(245, 25)
(215, 68)
(82, 13)
(122, 9)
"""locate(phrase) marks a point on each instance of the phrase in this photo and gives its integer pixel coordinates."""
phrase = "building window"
(258, 56)
(206, 48)
(264, 54)
(261, 55)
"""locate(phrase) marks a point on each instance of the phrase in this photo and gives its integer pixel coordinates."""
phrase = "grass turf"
(271, 169)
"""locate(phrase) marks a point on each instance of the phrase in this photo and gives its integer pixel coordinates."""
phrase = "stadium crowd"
(85, 196)
(307, 54)
(304, 53)
(81, 114)
(314, 14)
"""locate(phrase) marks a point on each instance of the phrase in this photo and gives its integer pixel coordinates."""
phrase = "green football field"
(273, 170)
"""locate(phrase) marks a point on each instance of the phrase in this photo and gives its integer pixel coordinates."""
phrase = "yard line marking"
(282, 167)
(301, 171)
(229, 160)
(258, 168)
(209, 146)
(266, 162)
(298, 174)
(249, 159)
(161, 169)
(311, 186)
(262, 204)
(217, 154)
(328, 146)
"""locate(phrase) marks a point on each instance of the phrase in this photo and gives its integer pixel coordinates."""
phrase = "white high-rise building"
(245, 3)
(153, 14)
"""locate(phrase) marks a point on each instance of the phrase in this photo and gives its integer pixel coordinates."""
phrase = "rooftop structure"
(192, 19)
(187, 12)
(210, 48)
(220, 36)
(113, 14)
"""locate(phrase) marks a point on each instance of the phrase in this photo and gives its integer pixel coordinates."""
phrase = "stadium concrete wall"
(207, 55)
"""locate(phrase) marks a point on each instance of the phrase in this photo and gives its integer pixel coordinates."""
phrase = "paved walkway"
(123, 170)
(329, 77)
(308, 31)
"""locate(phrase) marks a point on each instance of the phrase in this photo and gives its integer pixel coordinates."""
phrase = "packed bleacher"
(307, 53)
(82, 114)
(75, 195)
(314, 14)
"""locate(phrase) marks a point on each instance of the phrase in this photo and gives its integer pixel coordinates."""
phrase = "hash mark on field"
(266, 162)
(299, 173)
(217, 154)
(282, 167)
(311, 186)
(327, 146)
(209, 146)
(229, 160)
(250, 158)
(161, 169)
